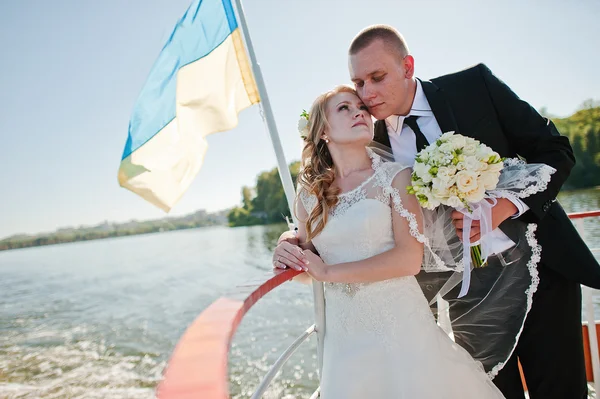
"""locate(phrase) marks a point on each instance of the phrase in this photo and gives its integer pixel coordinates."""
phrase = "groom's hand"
(503, 209)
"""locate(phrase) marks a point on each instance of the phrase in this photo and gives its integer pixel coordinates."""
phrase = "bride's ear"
(325, 138)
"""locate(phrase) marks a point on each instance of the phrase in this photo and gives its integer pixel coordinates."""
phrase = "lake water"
(99, 319)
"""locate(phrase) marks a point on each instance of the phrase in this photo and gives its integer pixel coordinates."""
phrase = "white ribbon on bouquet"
(481, 211)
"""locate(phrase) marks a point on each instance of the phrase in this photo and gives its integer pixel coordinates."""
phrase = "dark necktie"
(421, 141)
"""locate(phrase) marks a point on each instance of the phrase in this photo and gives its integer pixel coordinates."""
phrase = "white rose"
(430, 197)
(424, 155)
(446, 136)
(473, 164)
(422, 170)
(447, 147)
(454, 202)
(458, 141)
(471, 141)
(490, 179)
(427, 199)
(442, 182)
(484, 152)
(447, 171)
(432, 202)
(440, 192)
(445, 177)
(470, 148)
(466, 181)
(476, 195)
(303, 127)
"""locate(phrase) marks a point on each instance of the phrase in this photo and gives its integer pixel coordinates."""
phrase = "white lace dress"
(381, 340)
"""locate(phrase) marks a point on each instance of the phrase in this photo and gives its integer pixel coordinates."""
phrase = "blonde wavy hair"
(317, 174)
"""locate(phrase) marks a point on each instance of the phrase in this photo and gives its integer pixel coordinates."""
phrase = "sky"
(70, 73)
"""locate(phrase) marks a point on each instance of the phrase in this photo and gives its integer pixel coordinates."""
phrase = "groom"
(475, 103)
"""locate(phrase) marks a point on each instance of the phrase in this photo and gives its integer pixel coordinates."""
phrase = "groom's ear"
(408, 64)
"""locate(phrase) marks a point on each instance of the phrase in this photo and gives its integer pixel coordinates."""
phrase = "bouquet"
(456, 171)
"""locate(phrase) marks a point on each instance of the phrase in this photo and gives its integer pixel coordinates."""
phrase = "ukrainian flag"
(200, 82)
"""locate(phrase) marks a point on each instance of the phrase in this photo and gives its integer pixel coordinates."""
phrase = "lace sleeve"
(305, 203)
(400, 179)
(309, 201)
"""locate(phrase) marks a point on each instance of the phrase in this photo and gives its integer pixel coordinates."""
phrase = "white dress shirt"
(404, 148)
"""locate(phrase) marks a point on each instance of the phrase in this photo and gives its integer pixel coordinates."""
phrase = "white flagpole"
(282, 166)
(284, 173)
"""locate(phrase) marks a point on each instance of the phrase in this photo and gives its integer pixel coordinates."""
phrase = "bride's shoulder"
(307, 199)
(396, 166)
(391, 169)
(388, 171)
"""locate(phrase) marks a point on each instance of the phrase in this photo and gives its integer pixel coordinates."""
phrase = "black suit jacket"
(476, 103)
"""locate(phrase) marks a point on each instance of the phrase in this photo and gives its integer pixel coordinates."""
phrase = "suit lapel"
(440, 107)
(381, 135)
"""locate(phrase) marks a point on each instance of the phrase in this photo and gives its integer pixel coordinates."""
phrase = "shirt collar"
(420, 107)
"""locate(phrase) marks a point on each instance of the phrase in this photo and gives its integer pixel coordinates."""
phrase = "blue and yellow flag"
(200, 82)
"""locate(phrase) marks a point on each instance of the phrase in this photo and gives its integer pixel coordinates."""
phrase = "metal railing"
(198, 365)
(264, 384)
(588, 300)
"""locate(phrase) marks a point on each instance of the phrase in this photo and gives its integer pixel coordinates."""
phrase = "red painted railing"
(581, 215)
(198, 366)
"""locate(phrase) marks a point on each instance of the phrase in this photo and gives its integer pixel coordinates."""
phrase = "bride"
(382, 340)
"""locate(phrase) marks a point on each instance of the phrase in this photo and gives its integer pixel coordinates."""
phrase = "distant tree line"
(266, 202)
(107, 230)
(583, 130)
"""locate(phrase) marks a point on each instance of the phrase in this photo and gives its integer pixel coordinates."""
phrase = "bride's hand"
(316, 267)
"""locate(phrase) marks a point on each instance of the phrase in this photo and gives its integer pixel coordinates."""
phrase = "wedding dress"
(381, 338)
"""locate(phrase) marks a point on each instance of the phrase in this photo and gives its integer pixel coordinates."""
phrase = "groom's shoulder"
(471, 73)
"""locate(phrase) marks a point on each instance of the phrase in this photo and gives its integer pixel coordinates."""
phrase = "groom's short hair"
(390, 37)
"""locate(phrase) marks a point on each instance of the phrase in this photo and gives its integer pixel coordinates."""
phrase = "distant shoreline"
(113, 230)
(2, 248)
